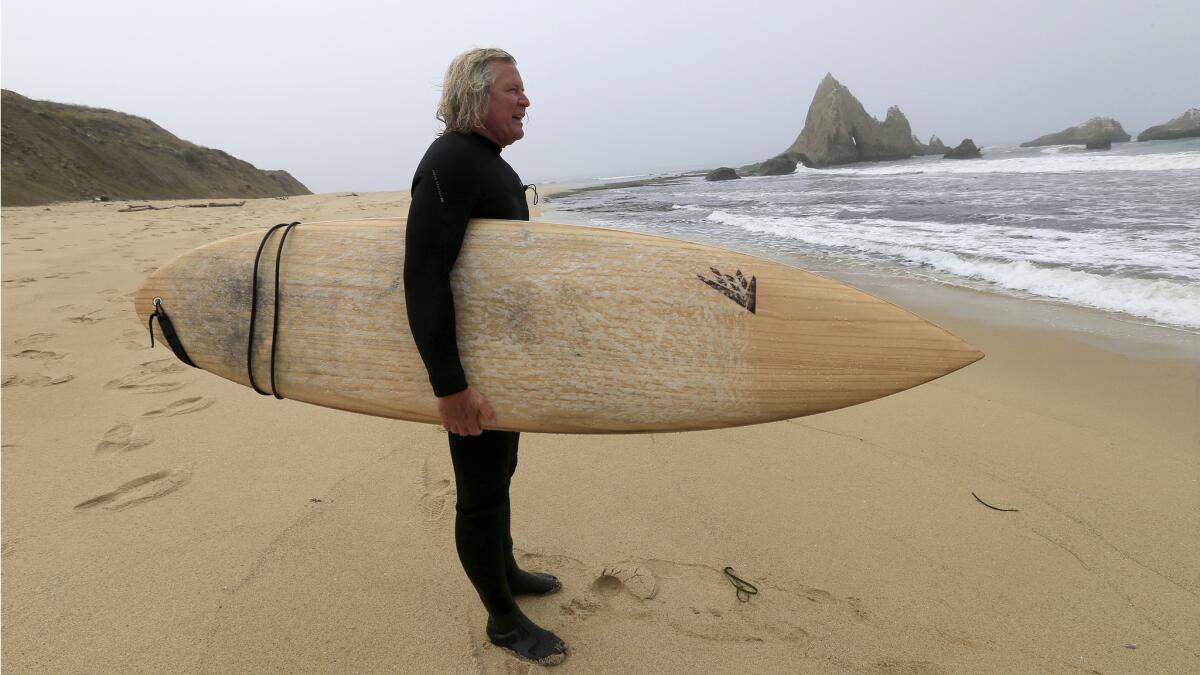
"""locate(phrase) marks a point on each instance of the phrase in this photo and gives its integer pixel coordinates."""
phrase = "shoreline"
(164, 519)
(1126, 334)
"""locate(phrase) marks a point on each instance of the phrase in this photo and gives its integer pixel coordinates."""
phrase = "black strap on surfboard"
(254, 307)
(168, 332)
(533, 187)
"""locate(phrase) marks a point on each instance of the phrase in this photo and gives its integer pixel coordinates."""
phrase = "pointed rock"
(965, 150)
(838, 130)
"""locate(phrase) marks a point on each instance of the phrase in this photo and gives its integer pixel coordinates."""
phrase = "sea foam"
(1052, 162)
(1166, 301)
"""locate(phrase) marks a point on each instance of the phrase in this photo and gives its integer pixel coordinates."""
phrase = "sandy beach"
(158, 518)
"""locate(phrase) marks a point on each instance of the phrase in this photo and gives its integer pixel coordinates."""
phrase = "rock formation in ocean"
(779, 165)
(56, 152)
(936, 146)
(1099, 145)
(965, 150)
(722, 173)
(838, 130)
(1091, 131)
(1186, 125)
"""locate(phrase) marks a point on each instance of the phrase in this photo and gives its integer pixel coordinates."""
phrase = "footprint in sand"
(144, 378)
(183, 406)
(121, 299)
(699, 601)
(37, 380)
(34, 339)
(907, 667)
(136, 339)
(38, 355)
(18, 282)
(629, 576)
(122, 438)
(139, 490)
(435, 494)
(86, 317)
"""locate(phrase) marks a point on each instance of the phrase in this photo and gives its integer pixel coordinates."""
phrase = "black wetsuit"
(462, 176)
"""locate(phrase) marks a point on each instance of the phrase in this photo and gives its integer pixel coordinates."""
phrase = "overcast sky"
(342, 94)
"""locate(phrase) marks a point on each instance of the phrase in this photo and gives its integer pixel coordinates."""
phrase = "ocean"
(1116, 231)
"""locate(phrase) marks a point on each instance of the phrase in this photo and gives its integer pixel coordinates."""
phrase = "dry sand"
(161, 519)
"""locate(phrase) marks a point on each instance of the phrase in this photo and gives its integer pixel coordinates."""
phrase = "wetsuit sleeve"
(442, 199)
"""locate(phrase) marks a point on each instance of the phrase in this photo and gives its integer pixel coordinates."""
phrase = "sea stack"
(779, 165)
(1186, 125)
(965, 150)
(722, 173)
(838, 130)
(1095, 130)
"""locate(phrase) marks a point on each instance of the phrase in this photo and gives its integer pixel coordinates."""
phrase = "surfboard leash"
(254, 307)
(168, 332)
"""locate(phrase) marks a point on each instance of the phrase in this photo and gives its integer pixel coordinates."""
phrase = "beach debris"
(638, 580)
(352, 194)
(994, 508)
(151, 207)
(1130, 645)
(745, 589)
(101, 198)
(314, 500)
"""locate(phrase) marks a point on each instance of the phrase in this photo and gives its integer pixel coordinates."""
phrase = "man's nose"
(523, 101)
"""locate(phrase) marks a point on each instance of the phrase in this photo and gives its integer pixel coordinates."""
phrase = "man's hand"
(460, 412)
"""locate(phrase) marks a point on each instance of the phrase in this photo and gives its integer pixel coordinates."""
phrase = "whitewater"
(1117, 231)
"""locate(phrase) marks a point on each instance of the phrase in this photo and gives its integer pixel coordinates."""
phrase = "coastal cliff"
(838, 130)
(55, 152)
(1095, 130)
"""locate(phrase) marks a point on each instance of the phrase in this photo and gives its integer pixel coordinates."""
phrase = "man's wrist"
(450, 385)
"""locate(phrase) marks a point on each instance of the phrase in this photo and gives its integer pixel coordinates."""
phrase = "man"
(461, 177)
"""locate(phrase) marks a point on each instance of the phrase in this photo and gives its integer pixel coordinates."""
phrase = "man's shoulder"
(453, 145)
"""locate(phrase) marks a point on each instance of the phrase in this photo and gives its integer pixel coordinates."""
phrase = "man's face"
(505, 123)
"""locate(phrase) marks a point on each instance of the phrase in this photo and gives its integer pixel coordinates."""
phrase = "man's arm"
(437, 223)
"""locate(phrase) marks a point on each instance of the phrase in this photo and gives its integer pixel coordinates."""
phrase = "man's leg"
(521, 582)
(483, 467)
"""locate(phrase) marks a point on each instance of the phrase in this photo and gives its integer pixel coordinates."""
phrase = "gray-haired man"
(462, 176)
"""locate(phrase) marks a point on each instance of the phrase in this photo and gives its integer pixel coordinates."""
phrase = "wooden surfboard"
(564, 328)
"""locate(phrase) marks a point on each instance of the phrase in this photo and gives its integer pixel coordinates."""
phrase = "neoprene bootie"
(527, 640)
